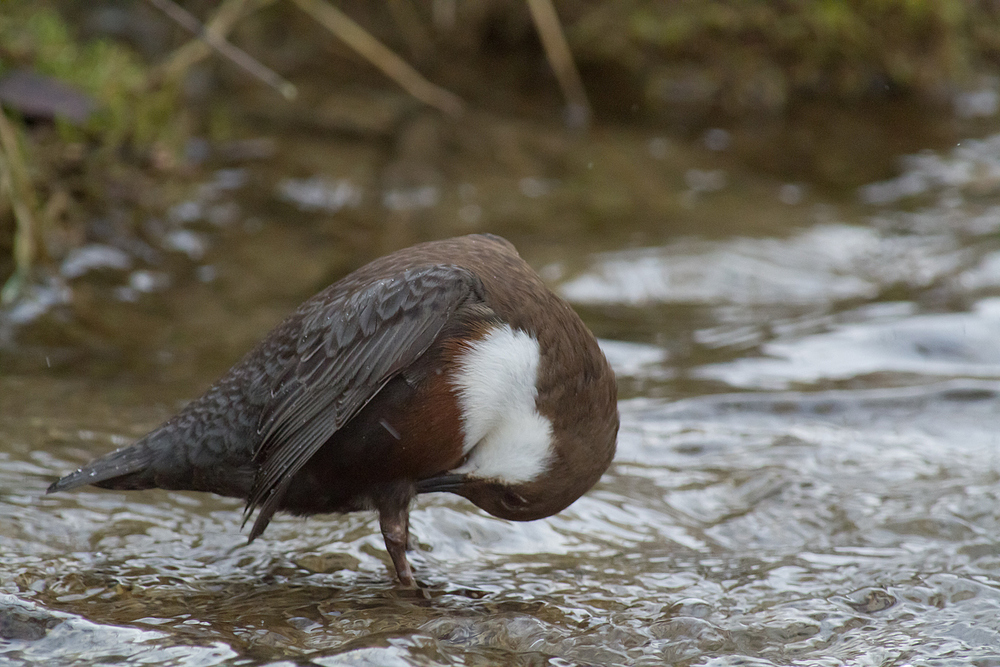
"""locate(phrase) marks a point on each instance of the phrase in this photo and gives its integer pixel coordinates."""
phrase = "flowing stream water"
(808, 469)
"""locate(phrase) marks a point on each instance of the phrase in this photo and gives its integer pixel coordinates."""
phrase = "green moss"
(132, 117)
(129, 110)
(664, 31)
(843, 48)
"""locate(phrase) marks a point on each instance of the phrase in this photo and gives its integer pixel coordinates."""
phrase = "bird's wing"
(348, 348)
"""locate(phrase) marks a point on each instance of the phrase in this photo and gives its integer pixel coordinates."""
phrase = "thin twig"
(238, 56)
(219, 23)
(561, 61)
(381, 56)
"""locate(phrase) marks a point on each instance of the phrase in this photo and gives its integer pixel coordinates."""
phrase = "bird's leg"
(410, 546)
(395, 525)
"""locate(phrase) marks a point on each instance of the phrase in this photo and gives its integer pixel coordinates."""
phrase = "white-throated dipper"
(447, 366)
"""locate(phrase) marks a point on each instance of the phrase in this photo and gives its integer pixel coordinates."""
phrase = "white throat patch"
(505, 437)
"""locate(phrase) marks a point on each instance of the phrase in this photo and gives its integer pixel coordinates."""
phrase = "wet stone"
(871, 601)
(327, 563)
(22, 624)
(44, 98)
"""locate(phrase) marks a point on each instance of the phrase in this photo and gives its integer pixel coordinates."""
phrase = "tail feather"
(207, 446)
(121, 469)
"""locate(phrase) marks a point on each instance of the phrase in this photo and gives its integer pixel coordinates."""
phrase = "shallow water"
(808, 468)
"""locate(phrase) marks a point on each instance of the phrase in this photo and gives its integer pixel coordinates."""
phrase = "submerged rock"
(19, 622)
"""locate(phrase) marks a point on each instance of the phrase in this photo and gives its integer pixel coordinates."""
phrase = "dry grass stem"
(15, 183)
(561, 59)
(382, 57)
(219, 24)
(213, 38)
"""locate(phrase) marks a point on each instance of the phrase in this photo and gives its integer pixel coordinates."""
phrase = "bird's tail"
(126, 468)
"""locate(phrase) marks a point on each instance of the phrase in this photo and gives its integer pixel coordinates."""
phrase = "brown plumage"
(355, 401)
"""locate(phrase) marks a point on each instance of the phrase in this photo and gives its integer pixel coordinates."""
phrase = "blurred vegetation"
(50, 166)
(746, 56)
(668, 63)
(129, 110)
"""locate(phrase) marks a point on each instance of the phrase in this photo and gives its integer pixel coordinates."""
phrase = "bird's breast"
(494, 379)
(427, 432)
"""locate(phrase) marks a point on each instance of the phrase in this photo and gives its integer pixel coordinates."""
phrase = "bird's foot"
(395, 531)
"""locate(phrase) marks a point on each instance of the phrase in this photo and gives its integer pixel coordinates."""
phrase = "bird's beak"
(444, 482)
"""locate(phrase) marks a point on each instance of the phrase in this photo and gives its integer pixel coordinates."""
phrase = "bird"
(447, 366)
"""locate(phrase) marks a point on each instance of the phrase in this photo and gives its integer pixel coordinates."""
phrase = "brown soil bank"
(683, 58)
(748, 56)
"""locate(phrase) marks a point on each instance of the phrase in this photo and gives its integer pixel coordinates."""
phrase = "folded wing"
(349, 348)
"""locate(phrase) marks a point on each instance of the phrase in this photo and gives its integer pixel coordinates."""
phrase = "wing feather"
(348, 348)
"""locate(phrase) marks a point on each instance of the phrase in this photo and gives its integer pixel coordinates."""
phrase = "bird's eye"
(511, 500)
